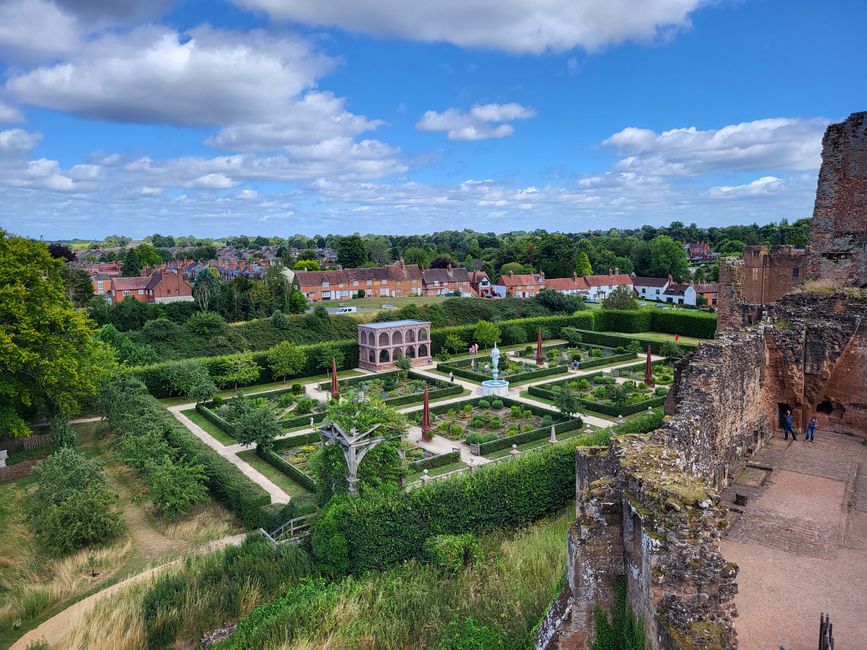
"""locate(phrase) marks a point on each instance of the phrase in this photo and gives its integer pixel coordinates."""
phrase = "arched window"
(422, 350)
(396, 338)
(383, 340)
(396, 353)
(410, 352)
(371, 355)
(384, 357)
(410, 336)
(422, 334)
(371, 339)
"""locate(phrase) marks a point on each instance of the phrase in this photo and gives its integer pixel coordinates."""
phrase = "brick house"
(159, 287)
(481, 283)
(394, 281)
(443, 282)
(709, 292)
(522, 285)
(769, 275)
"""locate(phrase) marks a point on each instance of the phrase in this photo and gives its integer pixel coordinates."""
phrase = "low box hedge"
(550, 326)
(458, 371)
(275, 461)
(698, 324)
(607, 409)
(215, 419)
(440, 388)
(617, 340)
(439, 460)
(604, 361)
(529, 436)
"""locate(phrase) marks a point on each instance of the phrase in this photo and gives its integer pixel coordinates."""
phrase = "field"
(34, 586)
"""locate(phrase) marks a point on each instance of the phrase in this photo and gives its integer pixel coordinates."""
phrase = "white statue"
(495, 360)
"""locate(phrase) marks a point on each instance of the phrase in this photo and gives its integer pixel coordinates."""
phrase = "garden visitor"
(811, 429)
(451, 377)
(789, 426)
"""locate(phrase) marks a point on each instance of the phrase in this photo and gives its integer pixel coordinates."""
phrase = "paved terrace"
(801, 543)
(438, 445)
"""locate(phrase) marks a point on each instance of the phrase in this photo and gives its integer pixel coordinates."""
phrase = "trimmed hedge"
(458, 371)
(375, 530)
(440, 388)
(529, 436)
(615, 340)
(436, 461)
(551, 326)
(274, 459)
(604, 361)
(225, 481)
(698, 324)
(626, 409)
(220, 422)
(155, 376)
(623, 320)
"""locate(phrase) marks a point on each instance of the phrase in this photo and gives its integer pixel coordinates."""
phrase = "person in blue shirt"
(789, 426)
(811, 429)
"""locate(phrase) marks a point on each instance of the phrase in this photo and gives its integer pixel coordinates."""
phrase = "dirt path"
(56, 627)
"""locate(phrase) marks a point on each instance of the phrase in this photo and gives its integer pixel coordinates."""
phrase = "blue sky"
(283, 116)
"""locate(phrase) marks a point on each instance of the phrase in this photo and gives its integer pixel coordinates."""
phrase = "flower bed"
(587, 355)
(489, 424)
(601, 393)
(291, 456)
(294, 409)
(394, 391)
(663, 372)
(478, 369)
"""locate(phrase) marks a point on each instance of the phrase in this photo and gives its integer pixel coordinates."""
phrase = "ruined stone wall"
(838, 232)
(817, 359)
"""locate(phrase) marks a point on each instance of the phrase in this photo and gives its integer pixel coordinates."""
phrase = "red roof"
(129, 284)
(395, 272)
(478, 276)
(521, 279)
(575, 283)
(613, 280)
(650, 282)
(712, 287)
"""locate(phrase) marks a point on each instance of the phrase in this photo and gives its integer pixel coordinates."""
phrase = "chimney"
(402, 265)
(616, 271)
(542, 274)
(609, 270)
(449, 268)
(511, 273)
(574, 275)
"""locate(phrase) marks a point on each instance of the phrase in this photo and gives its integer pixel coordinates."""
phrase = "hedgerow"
(699, 324)
(378, 529)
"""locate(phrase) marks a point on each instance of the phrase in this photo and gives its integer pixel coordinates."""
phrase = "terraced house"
(447, 281)
(394, 281)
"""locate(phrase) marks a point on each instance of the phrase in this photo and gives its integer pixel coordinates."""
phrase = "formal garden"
(397, 388)
(478, 369)
(601, 392)
(583, 355)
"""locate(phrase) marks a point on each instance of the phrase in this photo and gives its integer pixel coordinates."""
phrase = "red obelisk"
(425, 418)
(648, 370)
(539, 347)
(335, 391)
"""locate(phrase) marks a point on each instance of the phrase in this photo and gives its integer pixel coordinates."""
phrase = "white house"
(601, 286)
(651, 288)
(680, 294)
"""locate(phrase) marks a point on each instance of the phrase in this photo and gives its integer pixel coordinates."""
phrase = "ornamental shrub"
(660, 391)
(485, 404)
(497, 404)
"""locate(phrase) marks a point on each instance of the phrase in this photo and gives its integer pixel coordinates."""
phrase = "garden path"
(440, 445)
(54, 629)
(230, 453)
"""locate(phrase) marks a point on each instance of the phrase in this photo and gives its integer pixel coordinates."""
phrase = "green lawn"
(262, 388)
(436, 471)
(661, 336)
(210, 427)
(282, 481)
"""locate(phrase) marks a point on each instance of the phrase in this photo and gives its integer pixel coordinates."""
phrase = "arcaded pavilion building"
(380, 344)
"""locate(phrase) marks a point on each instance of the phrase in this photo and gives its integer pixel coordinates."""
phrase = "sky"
(278, 117)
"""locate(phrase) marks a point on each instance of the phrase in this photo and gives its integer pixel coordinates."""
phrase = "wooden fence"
(29, 442)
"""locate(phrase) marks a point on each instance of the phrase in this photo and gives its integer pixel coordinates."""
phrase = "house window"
(326, 284)
(126, 293)
(755, 253)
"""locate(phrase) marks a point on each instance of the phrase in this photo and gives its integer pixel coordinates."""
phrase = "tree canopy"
(50, 358)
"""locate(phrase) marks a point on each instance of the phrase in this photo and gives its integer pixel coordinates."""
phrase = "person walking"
(811, 429)
(789, 426)
(451, 377)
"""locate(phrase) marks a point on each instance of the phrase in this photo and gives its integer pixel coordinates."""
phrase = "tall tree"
(667, 257)
(557, 256)
(205, 288)
(621, 298)
(49, 357)
(79, 288)
(351, 252)
(130, 263)
(582, 265)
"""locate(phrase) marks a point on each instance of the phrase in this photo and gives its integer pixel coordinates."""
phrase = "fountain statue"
(495, 386)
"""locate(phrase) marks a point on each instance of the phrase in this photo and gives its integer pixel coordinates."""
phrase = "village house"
(650, 288)
(601, 286)
(481, 284)
(700, 252)
(709, 292)
(576, 285)
(394, 281)
(680, 294)
(447, 281)
(522, 285)
(159, 287)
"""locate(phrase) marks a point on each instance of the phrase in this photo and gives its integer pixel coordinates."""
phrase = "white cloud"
(510, 25)
(483, 121)
(18, 141)
(157, 75)
(35, 29)
(9, 113)
(761, 186)
(212, 182)
(778, 143)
